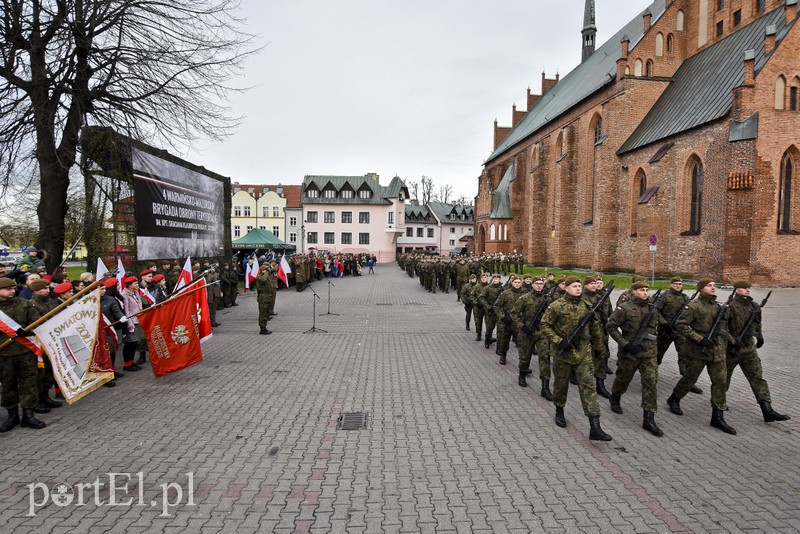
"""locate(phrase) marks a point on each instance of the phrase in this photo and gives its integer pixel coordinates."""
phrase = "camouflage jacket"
(504, 304)
(489, 294)
(628, 318)
(739, 313)
(265, 285)
(525, 310)
(561, 319)
(23, 313)
(696, 322)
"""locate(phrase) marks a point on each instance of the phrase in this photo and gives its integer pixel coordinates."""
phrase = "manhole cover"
(352, 421)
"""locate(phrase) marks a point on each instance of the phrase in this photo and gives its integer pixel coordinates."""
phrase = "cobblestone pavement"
(452, 443)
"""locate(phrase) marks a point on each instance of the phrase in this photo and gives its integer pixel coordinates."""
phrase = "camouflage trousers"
(663, 345)
(468, 310)
(543, 350)
(444, 283)
(263, 311)
(648, 372)
(504, 333)
(583, 371)
(20, 378)
(477, 314)
(751, 367)
(526, 345)
(45, 378)
(491, 321)
(716, 372)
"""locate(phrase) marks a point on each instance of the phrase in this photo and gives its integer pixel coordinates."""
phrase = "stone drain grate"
(352, 421)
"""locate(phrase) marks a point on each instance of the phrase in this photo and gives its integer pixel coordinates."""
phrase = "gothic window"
(492, 232)
(560, 145)
(696, 197)
(785, 203)
(642, 184)
(648, 69)
(780, 92)
(679, 21)
(639, 181)
(637, 68)
(598, 129)
(670, 43)
(659, 45)
(761, 5)
(505, 232)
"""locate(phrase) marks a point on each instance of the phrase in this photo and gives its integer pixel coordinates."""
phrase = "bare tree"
(427, 189)
(462, 201)
(444, 193)
(413, 188)
(153, 70)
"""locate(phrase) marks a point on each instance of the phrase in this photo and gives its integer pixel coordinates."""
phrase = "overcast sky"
(395, 87)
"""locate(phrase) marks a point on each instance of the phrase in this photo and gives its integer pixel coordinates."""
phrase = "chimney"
(769, 39)
(791, 11)
(626, 43)
(647, 18)
(749, 67)
(622, 62)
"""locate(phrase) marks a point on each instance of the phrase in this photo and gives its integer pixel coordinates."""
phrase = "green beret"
(703, 282)
(36, 285)
(527, 275)
(571, 280)
(741, 284)
(637, 278)
(675, 279)
(589, 280)
(6, 283)
(562, 279)
(640, 285)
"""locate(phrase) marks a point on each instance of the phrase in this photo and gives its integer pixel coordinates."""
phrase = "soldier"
(524, 312)
(742, 352)
(301, 277)
(478, 310)
(462, 277)
(213, 291)
(590, 295)
(233, 283)
(266, 297)
(466, 295)
(18, 363)
(674, 300)
(623, 325)
(44, 304)
(551, 281)
(443, 275)
(225, 282)
(605, 313)
(562, 288)
(627, 294)
(559, 322)
(503, 307)
(488, 296)
(518, 266)
(527, 283)
(701, 352)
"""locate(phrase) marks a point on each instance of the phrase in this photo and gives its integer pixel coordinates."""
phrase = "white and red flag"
(173, 333)
(284, 271)
(247, 278)
(101, 270)
(9, 327)
(120, 274)
(252, 273)
(186, 275)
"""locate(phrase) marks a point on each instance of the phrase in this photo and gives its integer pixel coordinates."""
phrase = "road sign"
(653, 239)
(653, 248)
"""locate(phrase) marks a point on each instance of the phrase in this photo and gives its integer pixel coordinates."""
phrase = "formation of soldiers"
(567, 324)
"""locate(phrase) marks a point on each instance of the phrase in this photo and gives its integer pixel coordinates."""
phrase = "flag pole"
(165, 301)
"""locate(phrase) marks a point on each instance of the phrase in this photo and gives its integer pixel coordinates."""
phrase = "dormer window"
(312, 193)
(347, 193)
(329, 193)
(364, 193)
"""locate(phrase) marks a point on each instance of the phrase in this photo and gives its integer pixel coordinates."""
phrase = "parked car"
(8, 261)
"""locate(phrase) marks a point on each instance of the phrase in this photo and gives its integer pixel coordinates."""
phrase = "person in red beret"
(63, 291)
(131, 331)
(158, 287)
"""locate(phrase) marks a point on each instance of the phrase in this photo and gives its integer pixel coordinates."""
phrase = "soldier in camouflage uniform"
(605, 313)
(599, 356)
(528, 335)
(550, 282)
(443, 275)
(559, 322)
(527, 283)
(462, 277)
(743, 352)
(674, 300)
(623, 326)
(466, 296)
(518, 265)
(701, 352)
(18, 364)
(488, 296)
(626, 295)
(265, 286)
(503, 307)
(44, 304)
(477, 308)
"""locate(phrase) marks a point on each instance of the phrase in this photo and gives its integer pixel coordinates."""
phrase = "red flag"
(173, 334)
(146, 296)
(201, 310)
(186, 275)
(253, 274)
(283, 271)
(101, 357)
(247, 278)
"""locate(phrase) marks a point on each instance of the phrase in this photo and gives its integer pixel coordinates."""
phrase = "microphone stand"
(314, 328)
(329, 300)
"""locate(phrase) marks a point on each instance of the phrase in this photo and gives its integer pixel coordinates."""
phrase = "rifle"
(578, 334)
(747, 331)
(716, 328)
(534, 324)
(641, 333)
(671, 326)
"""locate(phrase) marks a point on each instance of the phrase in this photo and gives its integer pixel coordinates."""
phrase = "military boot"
(264, 331)
(601, 388)
(478, 336)
(521, 380)
(616, 407)
(502, 358)
(561, 422)
(595, 432)
(41, 407)
(674, 404)
(607, 368)
(467, 326)
(546, 393)
(30, 421)
(573, 379)
(696, 390)
(527, 372)
(12, 421)
(486, 342)
(51, 403)
(771, 415)
(718, 421)
(649, 424)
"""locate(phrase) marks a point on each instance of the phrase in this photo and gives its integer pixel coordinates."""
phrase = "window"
(276, 211)
(347, 193)
(363, 239)
(505, 232)
(430, 232)
(311, 238)
(670, 43)
(276, 231)
(265, 211)
(598, 130)
(237, 211)
(292, 238)
(329, 217)
(637, 68)
(329, 193)
(659, 45)
(292, 221)
(793, 98)
(363, 217)
(452, 242)
(648, 69)
(328, 237)
(391, 217)
(237, 231)
(452, 216)
(780, 92)
(452, 229)
(737, 17)
(347, 217)
(420, 232)
(311, 217)
(347, 238)
(409, 232)
(679, 16)
(761, 5)
(785, 194)
(312, 193)
(720, 28)
(249, 228)
(642, 185)
(263, 227)
(247, 211)
(492, 233)
(696, 199)
(365, 193)
(720, 5)
(560, 145)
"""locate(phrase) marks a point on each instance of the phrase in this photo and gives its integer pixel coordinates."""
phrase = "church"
(682, 130)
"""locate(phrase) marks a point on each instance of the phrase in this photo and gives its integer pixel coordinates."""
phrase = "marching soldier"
(503, 307)
(627, 294)
(703, 352)
(742, 351)
(524, 312)
(465, 292)
(605, 312)
(478, 310)
(462, 277)
(488, 296)
(674, 300)
(266, 297)
(590, 295)
(624, 325)
(559, 322)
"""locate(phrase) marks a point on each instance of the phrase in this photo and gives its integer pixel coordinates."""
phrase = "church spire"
(589, 31)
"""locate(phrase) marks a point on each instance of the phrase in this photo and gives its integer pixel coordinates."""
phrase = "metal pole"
(653, 265)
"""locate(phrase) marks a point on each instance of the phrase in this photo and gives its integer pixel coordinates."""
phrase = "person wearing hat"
(265, 286)
(111, 303)
(158, 287)
(18, 363)
(63, 291)
(604, 314)
(146, 287)
(590, 295)
(28, 260)
(672, 303)
(549, 283)
(44, 304)
(487, 298)
(694, 325)
(623, 325)
(558, 323)
(503, 308)
(132, 333)
(562, 288)
(628, 293)
(465, 293)
(27, 292)
(528, 336)
(462, 277)
(527, 283)
(478, 311)
(743, 353)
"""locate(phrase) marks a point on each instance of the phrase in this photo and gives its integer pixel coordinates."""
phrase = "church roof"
(501, 196)
(593, 74)
(702, 88)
